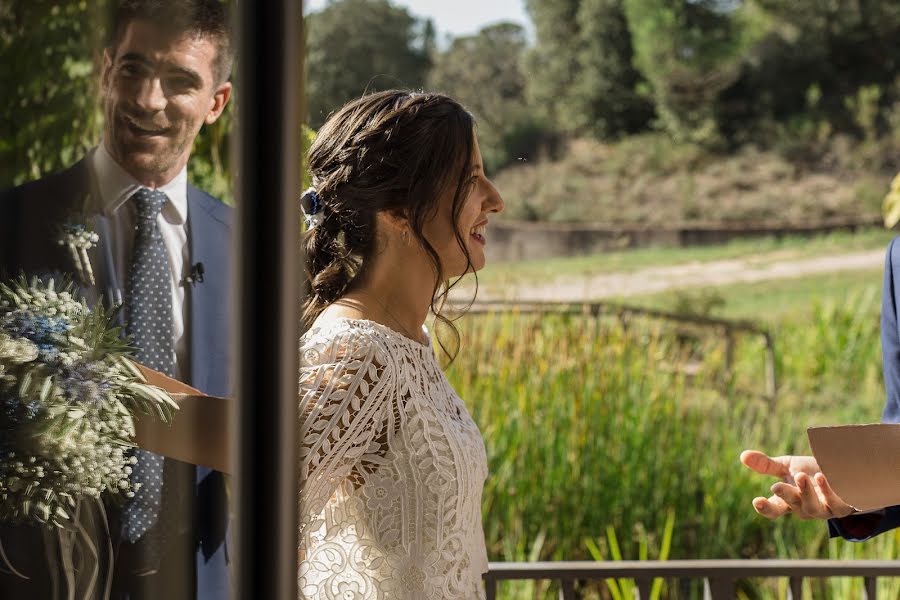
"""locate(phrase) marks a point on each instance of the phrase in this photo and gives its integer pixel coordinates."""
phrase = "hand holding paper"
(803, 491)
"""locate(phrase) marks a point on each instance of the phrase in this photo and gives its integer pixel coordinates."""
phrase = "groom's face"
(159, 89)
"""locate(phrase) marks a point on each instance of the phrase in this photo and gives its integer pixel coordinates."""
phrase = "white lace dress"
(393, 469)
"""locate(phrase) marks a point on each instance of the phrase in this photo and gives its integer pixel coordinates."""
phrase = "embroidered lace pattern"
(392, 467)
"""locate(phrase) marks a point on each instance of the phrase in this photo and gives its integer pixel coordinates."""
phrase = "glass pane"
(688, 262)
(115, 165)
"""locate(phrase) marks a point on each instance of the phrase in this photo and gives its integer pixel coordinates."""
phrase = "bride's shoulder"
(337, 339)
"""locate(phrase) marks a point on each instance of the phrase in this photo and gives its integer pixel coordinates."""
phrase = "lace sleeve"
(346, 385)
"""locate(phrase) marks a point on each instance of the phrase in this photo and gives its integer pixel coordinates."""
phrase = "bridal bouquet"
(68, 393)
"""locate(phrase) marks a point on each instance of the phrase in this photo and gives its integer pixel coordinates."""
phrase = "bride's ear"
(393, 225)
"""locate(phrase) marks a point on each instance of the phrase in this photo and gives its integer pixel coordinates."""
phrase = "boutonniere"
(78, 239)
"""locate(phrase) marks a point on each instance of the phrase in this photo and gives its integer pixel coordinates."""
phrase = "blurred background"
(689, 263)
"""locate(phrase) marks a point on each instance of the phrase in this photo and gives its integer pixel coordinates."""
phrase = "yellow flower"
(890, 208)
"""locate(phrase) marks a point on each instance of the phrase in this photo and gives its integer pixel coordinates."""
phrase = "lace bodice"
(393, 468)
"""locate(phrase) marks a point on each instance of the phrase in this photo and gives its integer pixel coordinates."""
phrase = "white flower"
(414, 575)
(349, 590)
(380, 491)
(17, 350)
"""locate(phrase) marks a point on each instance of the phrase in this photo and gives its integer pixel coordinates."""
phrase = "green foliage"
(805, 43)
(307, 137)
(210, 166)
(355, 46)
(552, 63)
(601, 430)
(493, 90)
(689, 52)
(49, 57)
(607, 98)
(863, 108)
(625, 589)
(581, 73)
(723, 75)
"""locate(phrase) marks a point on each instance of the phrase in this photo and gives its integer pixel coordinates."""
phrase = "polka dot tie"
(149, 315)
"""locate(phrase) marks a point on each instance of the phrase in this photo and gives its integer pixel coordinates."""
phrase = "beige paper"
(199, 433)
(861, 462)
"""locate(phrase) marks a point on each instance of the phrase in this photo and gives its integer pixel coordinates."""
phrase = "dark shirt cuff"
(858, 526)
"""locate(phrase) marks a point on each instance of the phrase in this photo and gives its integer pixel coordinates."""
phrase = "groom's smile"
(159, 89)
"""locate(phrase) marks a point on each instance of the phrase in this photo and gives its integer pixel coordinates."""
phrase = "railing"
(719, 576)
(727, 328)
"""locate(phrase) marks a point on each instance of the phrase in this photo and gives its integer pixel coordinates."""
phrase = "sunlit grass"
(771, 301)
(595, 426)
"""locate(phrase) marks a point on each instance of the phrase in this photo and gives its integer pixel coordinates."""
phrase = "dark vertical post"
(269, 94)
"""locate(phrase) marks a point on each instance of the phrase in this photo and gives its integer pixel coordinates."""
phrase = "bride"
(392, 465)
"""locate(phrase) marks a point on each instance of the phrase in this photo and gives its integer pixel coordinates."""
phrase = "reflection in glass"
(104, 103)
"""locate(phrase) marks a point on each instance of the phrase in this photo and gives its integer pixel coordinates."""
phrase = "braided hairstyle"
(395, 151)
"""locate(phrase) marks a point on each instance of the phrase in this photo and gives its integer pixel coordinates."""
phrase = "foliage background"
(50, 114)
(808, 87)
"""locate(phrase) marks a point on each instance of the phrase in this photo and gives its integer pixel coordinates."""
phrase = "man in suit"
(163, 252)
(803, 490)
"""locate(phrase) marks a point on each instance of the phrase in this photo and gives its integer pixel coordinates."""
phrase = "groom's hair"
(201, 18)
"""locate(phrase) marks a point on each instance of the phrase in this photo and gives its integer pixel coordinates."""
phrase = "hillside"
(649, 179)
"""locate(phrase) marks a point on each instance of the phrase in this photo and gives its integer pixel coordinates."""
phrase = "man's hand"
(803, 489)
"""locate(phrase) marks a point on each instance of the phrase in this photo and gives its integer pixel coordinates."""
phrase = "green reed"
(595, 425)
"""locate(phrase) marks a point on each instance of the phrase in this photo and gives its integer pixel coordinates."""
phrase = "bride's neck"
(397, 294)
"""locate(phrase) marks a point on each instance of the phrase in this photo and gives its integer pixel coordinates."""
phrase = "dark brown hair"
(395, 151)
(202, 18)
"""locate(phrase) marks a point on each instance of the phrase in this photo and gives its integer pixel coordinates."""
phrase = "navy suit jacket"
(29, 219)
(890, 356)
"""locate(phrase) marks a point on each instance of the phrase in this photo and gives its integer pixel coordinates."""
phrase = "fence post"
(871, 584)
(718, 589)
(490, 587)
(642, 589)
(729, 352)
(771, 382)
(567, 590)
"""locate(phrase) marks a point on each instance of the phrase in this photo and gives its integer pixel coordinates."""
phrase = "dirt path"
(659, 279)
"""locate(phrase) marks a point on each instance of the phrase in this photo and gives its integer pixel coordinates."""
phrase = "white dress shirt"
(115, 186)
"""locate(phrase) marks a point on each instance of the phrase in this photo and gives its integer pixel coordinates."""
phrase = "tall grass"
(595, 425)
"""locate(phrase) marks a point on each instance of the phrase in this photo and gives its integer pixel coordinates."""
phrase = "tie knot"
(149, 203)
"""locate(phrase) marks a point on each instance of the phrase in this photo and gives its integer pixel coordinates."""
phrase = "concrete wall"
(515, 240)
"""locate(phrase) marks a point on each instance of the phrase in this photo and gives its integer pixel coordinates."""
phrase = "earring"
(405, 236)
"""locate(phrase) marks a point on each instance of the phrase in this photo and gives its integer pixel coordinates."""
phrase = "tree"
(50, 114)
(358, 46)
(581, 68)
(552, 65)
(606, 97)
(484, 72)
(689, 51)
(837, 47)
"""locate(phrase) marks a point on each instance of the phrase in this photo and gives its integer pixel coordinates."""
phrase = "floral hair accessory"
(78, 239)
(311, 205)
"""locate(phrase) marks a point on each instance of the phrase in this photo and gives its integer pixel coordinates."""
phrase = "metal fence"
(727, 329)
(719, 577)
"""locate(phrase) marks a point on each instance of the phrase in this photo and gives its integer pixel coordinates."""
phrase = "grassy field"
(771, 301)
(595, 427)
(758, 251)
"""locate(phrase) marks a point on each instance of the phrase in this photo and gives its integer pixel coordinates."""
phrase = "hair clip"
(311, 205)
